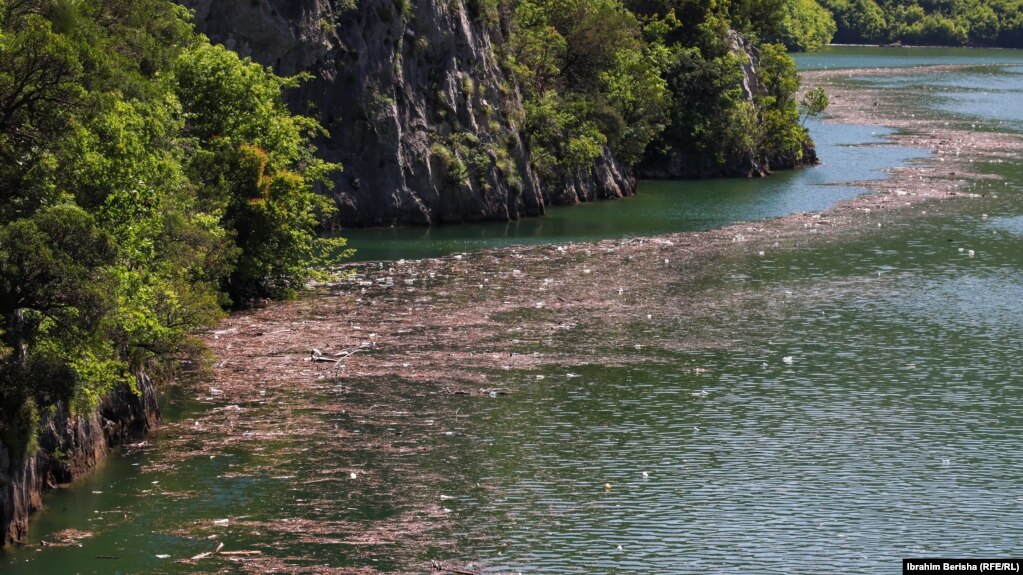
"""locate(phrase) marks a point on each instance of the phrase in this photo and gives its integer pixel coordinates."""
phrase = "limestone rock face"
(421, 115)
(606, 179)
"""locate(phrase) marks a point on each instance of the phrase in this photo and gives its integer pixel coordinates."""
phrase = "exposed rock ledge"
(69, 447)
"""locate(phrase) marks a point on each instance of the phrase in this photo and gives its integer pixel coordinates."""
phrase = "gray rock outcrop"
(420, 113)
(69, 447)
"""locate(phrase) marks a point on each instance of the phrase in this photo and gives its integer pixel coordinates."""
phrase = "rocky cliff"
(68, 448)
(420, 113)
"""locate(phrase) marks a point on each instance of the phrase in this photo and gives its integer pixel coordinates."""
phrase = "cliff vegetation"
(454, 111)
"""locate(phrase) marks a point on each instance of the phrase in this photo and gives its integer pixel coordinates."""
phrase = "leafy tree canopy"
(940, 22)
(147, 180)
(650, 78)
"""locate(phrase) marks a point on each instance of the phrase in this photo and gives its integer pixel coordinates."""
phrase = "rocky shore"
(69, 447)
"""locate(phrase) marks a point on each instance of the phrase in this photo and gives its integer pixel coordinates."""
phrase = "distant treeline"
(809, 24)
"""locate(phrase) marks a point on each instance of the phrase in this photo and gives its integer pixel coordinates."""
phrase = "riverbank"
(70, 447)
(386, 362)
(412, 308)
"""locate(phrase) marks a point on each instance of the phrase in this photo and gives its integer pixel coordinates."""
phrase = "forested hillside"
(679, 88)
(810, 23)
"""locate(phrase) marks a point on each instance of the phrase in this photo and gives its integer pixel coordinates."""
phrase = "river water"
(851, 154)
(850, 402)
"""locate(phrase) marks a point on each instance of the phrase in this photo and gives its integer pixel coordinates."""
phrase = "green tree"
(256, 168)
(592, 75)
(814, 102)
(858, 21)
(723, 119)
(53, 302)
(782, 136)
(806, 26)
(945, 22)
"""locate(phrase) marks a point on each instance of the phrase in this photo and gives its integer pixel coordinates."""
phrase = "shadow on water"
(851, 154)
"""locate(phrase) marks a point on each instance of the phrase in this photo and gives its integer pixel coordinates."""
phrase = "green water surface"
(851, 154)
(856, 402)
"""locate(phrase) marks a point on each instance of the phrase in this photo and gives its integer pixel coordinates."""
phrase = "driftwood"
(442, 568)
(317, 355)
(240, 553)
(208, 553)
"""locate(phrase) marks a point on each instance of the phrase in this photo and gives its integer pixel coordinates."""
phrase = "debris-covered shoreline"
(399, 347)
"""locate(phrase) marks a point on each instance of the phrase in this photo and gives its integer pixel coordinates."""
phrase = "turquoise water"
(851, 154)
(840, 57)
(849, 403)
(892, 432)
